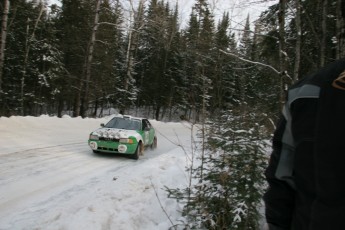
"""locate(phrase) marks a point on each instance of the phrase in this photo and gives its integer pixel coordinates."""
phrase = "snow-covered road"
(50, 179)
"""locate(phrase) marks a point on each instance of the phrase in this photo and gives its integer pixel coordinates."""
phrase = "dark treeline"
(88, 55)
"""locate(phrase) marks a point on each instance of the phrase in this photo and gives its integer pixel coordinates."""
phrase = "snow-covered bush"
(229, 181)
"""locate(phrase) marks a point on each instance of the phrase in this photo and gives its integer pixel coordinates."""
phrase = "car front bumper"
(112, 147)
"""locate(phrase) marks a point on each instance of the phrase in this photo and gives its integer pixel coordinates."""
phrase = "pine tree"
(224, 93)
(110, 55)
(33, 63)
(200, 45)
(173, 71)
(76, 27)
(155, 43)
(51, 67)
(229, 194)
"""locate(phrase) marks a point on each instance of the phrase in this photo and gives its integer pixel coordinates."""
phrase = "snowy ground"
(50, 179)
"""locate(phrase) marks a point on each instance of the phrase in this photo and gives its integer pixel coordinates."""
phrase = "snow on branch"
(257, 63)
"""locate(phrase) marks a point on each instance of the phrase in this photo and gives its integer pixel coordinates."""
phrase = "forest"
(85, 56)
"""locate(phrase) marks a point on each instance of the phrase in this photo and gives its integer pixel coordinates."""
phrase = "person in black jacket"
(306, 172)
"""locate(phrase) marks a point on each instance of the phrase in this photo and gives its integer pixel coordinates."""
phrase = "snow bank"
(50, 179)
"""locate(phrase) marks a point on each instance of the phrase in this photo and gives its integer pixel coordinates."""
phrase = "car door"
(148, 132)
(151, 132)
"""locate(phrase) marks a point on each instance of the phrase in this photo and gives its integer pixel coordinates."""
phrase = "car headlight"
(94, 137)
(126, 140)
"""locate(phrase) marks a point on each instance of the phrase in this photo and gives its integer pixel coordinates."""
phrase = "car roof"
(131, 117)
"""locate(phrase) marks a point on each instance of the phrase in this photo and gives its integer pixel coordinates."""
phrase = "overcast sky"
(238, 9)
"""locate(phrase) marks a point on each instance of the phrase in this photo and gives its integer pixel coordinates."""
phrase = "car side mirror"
(102, 124)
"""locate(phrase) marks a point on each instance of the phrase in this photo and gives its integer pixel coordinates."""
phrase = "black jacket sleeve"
(328, 210)
(279, 198)
(274, 227)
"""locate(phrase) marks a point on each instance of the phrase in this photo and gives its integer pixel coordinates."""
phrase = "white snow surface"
(51, 179)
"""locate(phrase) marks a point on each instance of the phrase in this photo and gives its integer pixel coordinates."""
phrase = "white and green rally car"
(125, 135)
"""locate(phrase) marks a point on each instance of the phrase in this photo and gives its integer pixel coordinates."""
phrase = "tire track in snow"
(33, 161)
(47, 172)
(45, 147)
(66, 186)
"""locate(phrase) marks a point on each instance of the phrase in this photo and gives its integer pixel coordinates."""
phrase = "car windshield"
(123, 123)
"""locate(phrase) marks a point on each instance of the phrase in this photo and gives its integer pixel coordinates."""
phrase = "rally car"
(124, 134)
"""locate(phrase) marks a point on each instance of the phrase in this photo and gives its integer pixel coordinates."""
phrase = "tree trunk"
(60, 106)
(3, 38)
(324, 33)
(282, 51)
(158, 108)
(340, 33)
(95, 109)
(89, 60)
(131, 49)
(298, 41)
(27, 51)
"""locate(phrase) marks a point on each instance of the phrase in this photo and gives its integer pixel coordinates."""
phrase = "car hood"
(115, 133)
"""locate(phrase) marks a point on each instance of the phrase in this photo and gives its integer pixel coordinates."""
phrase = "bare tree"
(131, 45)
(3, 38)
(29, 38)
(136, 24)
(89, 57)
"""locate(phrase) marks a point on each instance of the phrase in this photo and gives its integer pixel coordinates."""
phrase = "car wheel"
(135, 156)
(154, 143)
